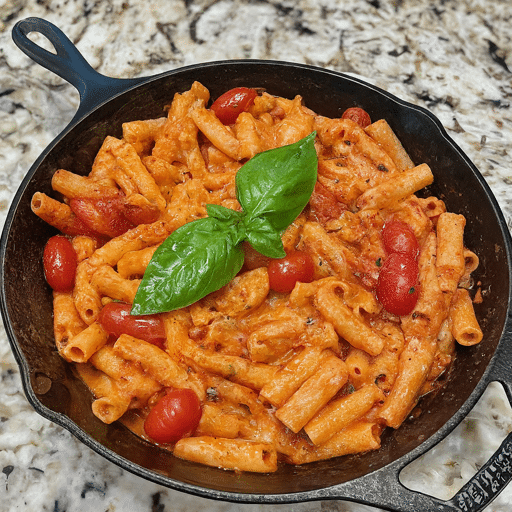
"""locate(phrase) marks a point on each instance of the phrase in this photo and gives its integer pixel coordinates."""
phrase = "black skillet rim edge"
(140, 471)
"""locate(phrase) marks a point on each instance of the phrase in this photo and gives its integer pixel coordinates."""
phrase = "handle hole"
(448, 466)
(42, 41)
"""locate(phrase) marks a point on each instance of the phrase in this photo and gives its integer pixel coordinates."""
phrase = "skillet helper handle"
(68, 63)
(384, 489)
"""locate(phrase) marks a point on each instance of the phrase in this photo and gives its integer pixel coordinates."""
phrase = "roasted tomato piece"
(284, 273)
(103, 216)
(232, 103)
(324, 205)
(358, 115)
(399, 237)
(116, 319)
(397, 287)
(174, 416)
(60, 262)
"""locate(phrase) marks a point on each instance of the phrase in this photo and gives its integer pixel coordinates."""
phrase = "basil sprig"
(202, 256)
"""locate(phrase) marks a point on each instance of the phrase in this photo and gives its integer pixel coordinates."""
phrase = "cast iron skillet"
(371, 478)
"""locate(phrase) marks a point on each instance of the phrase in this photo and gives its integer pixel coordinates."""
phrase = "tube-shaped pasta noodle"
(450, 261)
(289, 378)
(86, 297)
(359, 437)
(140, 237)
(464, 324)
(238, 369)
(247, 135)
(396, 188)
(111, 402)
(156, 362)
(384, 135)
(129, 161)
(81, 347)
(67, 323)
(330, 376)
(235, 454)
(134, 263)
(217, 422)
(340, 413)
(274, 339)
(73, 185)
(141, 134)
(346, 321)
(106, 281)
(219, 135)
(57, 214)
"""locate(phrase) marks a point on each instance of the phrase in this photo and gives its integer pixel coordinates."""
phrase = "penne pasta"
(292, 360)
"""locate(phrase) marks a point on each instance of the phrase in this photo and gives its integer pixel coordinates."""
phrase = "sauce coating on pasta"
(315, 370)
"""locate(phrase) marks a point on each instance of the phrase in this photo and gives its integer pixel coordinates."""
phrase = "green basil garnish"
(204, 255)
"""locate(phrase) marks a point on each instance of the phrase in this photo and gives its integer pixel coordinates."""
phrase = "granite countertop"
(452, 57)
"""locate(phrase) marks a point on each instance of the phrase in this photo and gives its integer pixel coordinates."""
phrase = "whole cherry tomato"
(399, 237)
(358, 115)
(60, 262)
(174, 416)
(104, 216)
(283, 273)
(229, 105)
(397, 286)
(115, 318)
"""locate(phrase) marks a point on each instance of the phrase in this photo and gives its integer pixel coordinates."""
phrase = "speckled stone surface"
(452, 57)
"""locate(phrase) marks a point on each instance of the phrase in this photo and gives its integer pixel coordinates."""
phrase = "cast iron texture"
(373, 478)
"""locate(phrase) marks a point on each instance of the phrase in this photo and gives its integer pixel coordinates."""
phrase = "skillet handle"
(68, 63)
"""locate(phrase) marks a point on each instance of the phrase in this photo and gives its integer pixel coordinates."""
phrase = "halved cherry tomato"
(284, 273)
(358, 115)
(60, 262)
(103, 216)
(174, 416)
(397, 286)
(399, 237)
(115, 318)
(232, 103)
(324, 205)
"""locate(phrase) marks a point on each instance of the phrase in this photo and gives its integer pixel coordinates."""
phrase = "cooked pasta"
(296, 376)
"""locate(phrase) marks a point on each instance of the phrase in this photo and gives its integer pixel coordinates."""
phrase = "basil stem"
(202, 256)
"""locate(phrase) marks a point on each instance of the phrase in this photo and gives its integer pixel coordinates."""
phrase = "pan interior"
(52, 386)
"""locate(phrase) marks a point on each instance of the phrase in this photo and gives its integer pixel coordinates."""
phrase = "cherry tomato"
(399, 237)
(138, 215)
(229, 105)
(174, 416)
(358, 115)
(397, 286)
(115, 318)
(59, 261)
(283, 273)
(101, 215)
(324, 205)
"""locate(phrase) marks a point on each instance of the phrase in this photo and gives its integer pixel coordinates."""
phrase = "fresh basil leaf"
(277, 184)
(223, 213)
(263, 237)
(204, 255)
(195, 260)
